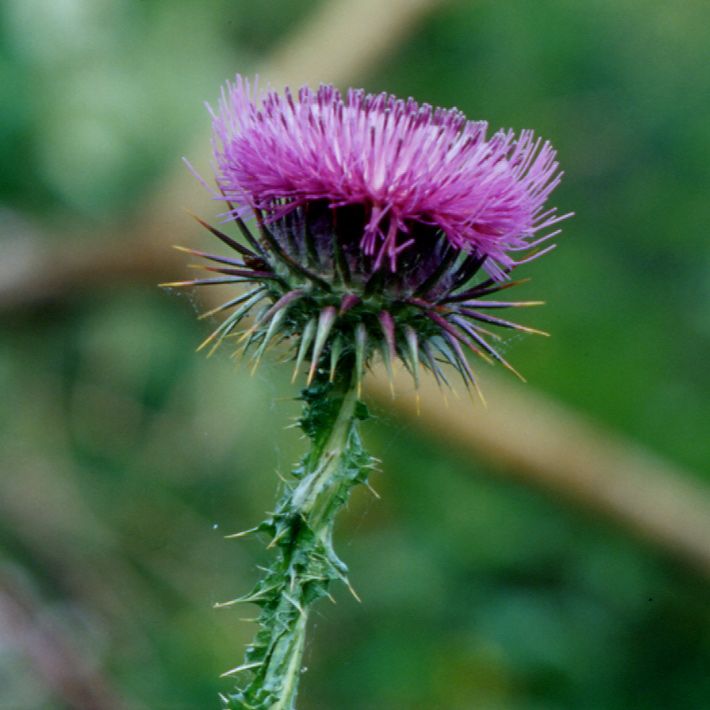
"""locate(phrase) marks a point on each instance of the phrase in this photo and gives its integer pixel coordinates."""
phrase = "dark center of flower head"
(374, 217)
(328, 241)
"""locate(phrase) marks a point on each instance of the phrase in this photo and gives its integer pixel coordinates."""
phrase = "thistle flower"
(375, 215)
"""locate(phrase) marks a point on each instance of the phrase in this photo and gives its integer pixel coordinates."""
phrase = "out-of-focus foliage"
(126, 457)
(97, 98)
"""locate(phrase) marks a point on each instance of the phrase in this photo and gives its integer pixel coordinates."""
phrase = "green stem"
(301, 529)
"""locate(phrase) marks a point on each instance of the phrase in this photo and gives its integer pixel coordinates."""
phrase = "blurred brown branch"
(542, 444)
(545, 444)
(37, 267)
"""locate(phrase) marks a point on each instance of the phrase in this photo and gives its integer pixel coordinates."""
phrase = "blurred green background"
(126, 457)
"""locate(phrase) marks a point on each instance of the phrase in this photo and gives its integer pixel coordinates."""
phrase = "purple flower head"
(404, 165)
(374, 215)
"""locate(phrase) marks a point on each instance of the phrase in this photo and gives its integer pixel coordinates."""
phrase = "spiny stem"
(301, 530)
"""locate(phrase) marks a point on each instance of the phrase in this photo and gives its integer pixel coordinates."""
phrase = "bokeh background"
(126, 457)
